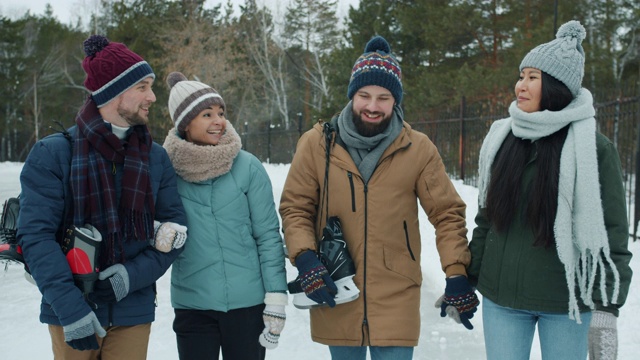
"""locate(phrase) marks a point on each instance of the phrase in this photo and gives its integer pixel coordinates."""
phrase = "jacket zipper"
(365, 321)
(406, 236)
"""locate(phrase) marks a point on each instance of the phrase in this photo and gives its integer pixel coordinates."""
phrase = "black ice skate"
(335, 256)
(9, 248)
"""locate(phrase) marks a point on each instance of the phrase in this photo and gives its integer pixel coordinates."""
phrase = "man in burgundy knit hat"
(104, 180)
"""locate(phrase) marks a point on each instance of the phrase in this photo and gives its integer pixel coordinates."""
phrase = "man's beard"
(368, 129)
(132, 118)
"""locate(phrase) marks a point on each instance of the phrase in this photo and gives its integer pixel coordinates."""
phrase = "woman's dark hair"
(540, 200)
(555, 95)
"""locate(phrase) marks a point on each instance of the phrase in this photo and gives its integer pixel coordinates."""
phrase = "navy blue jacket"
(46, 193)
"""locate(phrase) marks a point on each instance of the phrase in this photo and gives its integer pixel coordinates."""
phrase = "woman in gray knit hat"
(228, 287)
(550, 246)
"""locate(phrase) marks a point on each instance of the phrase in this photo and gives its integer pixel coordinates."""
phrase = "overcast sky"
(67, 11)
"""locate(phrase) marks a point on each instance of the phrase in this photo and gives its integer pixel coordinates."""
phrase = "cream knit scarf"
(195, 163)
(580, 234)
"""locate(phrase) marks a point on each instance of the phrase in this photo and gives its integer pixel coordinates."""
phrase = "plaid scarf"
(96, 152)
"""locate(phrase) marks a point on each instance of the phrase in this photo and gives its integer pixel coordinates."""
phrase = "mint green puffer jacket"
(234, 252)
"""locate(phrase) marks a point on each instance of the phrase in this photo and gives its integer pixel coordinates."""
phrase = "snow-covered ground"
(22, 336)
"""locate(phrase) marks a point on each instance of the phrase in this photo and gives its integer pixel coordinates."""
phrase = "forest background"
(286, 72)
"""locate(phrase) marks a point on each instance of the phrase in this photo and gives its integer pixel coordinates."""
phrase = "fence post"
(269, 142)
(636, 208)
(245, 142)
(462, 136)
(616, 120)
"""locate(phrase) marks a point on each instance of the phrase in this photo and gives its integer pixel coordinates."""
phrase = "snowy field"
(24, 337)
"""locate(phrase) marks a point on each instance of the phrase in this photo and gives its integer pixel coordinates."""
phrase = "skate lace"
(8, 236)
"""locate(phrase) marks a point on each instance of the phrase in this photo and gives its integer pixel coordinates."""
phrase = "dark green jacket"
(511, 272)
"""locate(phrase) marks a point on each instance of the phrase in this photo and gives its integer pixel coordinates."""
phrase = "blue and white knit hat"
(188, 98)
(562, 58)
(377, 67)
(111, 69)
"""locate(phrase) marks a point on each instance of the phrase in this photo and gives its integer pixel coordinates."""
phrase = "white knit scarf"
(195, 163)
(580, 233)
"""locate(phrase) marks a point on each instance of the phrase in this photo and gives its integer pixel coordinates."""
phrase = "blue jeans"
(377, 352)
(508, 333)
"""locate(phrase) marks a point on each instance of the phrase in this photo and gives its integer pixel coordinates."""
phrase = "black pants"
(201, 333)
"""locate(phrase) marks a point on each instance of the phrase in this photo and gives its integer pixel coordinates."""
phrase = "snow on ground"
(24, 337)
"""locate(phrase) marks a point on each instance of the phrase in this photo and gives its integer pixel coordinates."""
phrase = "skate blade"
(301, 301)
(347, 292)
(29, 278)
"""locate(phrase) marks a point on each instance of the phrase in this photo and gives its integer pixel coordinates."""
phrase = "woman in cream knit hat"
(228, 287)
(550, 246)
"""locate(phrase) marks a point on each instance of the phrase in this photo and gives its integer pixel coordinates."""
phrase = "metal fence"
(459, 137)
(458, 134)
(459, 140)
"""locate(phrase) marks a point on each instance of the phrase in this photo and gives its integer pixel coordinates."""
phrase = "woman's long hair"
(505, 193)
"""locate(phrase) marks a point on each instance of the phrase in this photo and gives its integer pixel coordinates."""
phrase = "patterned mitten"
(459, 301)
(274, 317)
(168, 236)
(315, 279)
(603, 336)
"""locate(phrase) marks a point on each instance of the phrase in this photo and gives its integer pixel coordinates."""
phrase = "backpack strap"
(329, 131)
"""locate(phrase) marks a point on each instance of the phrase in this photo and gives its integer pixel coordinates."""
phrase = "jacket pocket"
(406, 236)
(402, 264)
(353, 195)
(545, 277)
(248, 241)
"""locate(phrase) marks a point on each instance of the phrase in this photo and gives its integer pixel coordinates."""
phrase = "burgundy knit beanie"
(111, 68)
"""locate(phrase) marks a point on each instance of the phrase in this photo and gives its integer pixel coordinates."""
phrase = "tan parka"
(380, 226)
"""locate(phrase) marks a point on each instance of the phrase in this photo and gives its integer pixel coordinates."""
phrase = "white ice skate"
(336, 258)
(347, 291)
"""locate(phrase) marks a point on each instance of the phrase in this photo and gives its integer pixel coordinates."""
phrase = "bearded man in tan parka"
(378, 168)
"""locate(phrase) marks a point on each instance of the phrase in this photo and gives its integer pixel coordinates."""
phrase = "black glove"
(112, 286)
(86, 343)
(459, 301)
(81, 335)
(315, 279)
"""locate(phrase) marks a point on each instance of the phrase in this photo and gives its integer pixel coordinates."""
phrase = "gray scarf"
(580, 233)
(195, 163)
(366, 151)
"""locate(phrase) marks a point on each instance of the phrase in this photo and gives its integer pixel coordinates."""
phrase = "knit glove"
(603, 336)
(459, 301)
(168, 236)
(315, 279)
(81, 335)
(112, 285)
(274, 317)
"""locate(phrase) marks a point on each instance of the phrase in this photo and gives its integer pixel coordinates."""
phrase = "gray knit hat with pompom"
(188, 98)
(562, 58)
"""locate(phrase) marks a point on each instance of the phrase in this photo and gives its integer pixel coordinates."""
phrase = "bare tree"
(312, 25)
(203, 45)
(45, 72)
(258, 29)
